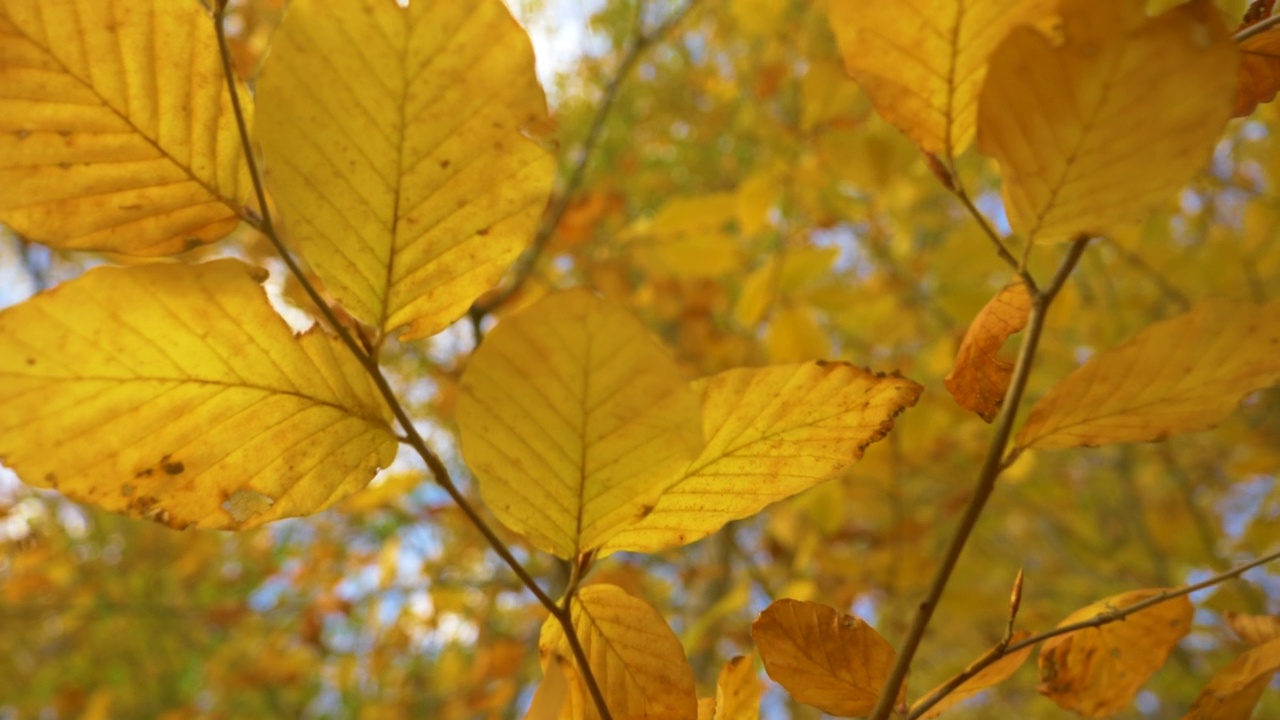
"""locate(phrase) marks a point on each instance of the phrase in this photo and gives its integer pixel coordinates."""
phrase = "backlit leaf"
(393, 144)
(823, 657)
(1259, 70)
(980, 378)
(994, 674)
(738, 690)
(574, 419)
(1253, 629)
(1096, 672)
(771, 433)
(184, 399)
(1235, 690)
(635, 657)
(1178, 376)
(1070, 114)
(104, 148)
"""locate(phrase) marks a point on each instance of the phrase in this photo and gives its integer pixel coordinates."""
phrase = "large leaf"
(116, 128)
(175, 393)
(574, 419)
(1178, 376)
(1095, 124)
(771, 433)
(393, 144)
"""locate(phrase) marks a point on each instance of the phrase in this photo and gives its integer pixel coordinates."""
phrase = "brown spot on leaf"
(483, 232)
(444, 164)
(127, 489)
(51, 480)
(192, 243)
(144, 473)
(174, 467)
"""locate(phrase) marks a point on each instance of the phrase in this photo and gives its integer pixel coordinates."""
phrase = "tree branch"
(1257, 29)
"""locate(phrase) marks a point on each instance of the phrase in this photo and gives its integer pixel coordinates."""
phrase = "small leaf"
(401, 169)
(1069, 113)
(771, 433)
(1259, 70)
(1235, 690)
(980, 378)
(635, 657)
(992, 675)
(103, 147)
(1253, 629)
(574, 420)
(738, 690)
(1178, 376)
(824, 658)
(175, 393)
(1097, 672)
(554, 698)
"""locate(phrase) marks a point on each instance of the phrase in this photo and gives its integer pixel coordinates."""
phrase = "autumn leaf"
(574, 420)
(738, 690)
(1182, 375)
(403, 174)
(990, 676)
(1097, 671)
(554, 698)
(633, 654)
(1092, 123)
(824, 658)
(185, 399)
(1259, 63)
(1235, 690)
(101, 147)
(980, 378)
(1253, 629)
(771, 433)
(923, 62)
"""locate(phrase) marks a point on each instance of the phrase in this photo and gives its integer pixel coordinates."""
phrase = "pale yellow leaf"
(1235, 690)
(823, 657)
(794, 334)
(688, 238)
(771, 433)
(1253, 629)
(1096, 672)
(1178, 376)
(393, 144)
(738, 690)
(635, 657)
(922, 62)
(1092, 123)
(175, 393)
(992, 675)
(574, 420)
(116, 127)
(555, 697)
(980, 377)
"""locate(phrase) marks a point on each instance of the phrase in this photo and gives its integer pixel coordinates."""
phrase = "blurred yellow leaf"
(794, 335)
(980, 378)
(707, 708)
(771, 433)
(923, 61)
(994, 674)
(1092, 122)
(574, 420)
(1259, 71)
(103, 147)
(404, 176)
(636, 659)
(1253, 629)
(1178, 376)
(184, 399)
(688, 238)
(554, 698)
(824, 658)
(1235, 690)
(1096, 672)
(738, 690)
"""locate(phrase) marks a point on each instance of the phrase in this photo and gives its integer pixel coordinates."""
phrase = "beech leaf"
(1234, 690)
(1259, 70)
(1253, 629)
(980, 378)
(992, 675)
(738, 690)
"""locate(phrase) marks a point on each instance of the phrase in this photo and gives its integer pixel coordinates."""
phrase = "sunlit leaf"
(633, 654)
(1178, 376)
(980, 378)
(1235, 690)
(824, 658)
(771, 433)
(1253, 629)
(555, 697)
(184, 399)
(102, 146)
(394, 147)
(994, 674)
(574, 420)
(1092, 122)
(1096, 672)
(738, 690)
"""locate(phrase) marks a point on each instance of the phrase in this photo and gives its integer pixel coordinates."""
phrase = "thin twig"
(439, 472)
(1257, 29)
(986, 481)
(922, 706)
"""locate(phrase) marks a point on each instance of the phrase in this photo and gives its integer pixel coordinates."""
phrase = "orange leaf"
(1254, 629)
(1235, 690)
(1259, 71)
(979, 379)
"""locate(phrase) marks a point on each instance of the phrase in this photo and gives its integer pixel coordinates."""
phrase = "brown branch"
(414, 439)
(1257, 29)
(991, 467)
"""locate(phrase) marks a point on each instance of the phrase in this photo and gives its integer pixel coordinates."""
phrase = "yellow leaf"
(923, 61)
(1253, 629)
(994, 674)
(738, 690)
(824, 658)
(794, 335)
(1094, 125)
(574, 419)
(175, 393)
(688, 238)
(1178, 376)
(555, 697)
(636, 659)
(707, 708)
(1098, 671)
(1234, 691)
(980, 378)
(116, 128)
(759, 291)
(771, 433)
(403, 175)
